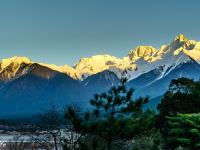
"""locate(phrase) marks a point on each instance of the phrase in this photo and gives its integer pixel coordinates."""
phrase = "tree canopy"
(183, 96)
(183, 131)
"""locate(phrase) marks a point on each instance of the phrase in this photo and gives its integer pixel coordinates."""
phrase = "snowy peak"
(191, 48)
(181, 38)
(180, 51)
(138, 61)
(10, 67)
(95, 64)
(14, 67)
(181, 42)
(144, 52)
(16, 60)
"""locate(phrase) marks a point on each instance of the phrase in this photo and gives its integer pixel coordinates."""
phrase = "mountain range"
(28, 87)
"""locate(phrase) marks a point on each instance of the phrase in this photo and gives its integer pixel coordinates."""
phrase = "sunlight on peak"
(180, 38)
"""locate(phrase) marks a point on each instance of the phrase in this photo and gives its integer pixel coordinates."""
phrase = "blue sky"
(63, 31)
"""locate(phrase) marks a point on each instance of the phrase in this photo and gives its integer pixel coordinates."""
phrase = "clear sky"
(63, 31)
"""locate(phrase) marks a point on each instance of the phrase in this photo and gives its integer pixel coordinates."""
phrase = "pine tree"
(112, 117)
(184, 130)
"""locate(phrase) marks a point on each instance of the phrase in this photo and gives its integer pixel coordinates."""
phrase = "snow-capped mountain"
(178, 59)
(142, 59)
(139, 60)
(149, 71)
(99, 63)
(10, 68)
(16, 66)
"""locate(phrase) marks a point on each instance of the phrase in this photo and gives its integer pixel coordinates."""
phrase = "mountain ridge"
(138, 61)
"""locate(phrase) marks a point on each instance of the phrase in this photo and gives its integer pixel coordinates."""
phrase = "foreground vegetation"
(119, 122)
